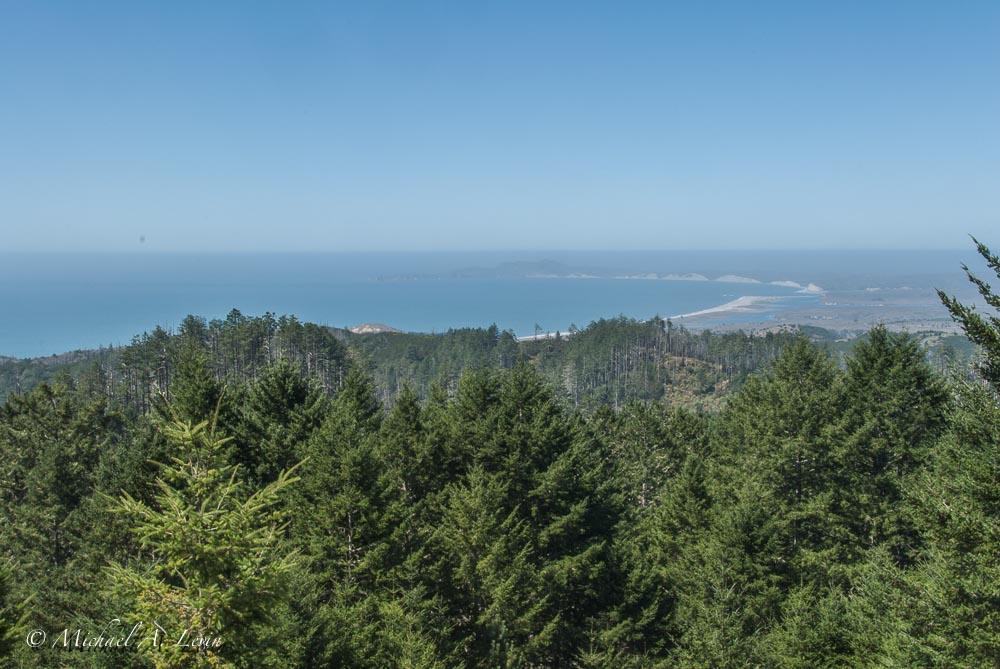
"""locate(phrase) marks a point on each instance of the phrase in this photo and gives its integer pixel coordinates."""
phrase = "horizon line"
(841, 249)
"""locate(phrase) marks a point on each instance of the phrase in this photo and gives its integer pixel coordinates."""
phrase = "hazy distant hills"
(554, 269)
(518, 269)
(853, 275)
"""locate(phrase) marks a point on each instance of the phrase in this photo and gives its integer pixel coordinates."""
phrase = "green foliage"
(279, 411)
(191, 366)
(482, 502)
(497, 527)
(611, 361)
(12, 616)
(778, 432)
(52, 443)
(983, 330)
(341, 522)
(955, 589)
(213, 564)
(896, 412)
(195, 392)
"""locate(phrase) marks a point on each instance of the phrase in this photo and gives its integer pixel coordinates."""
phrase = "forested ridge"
(610, 362)
(292, 498)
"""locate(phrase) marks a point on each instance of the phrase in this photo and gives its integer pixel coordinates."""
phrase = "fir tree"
(279, 412)
(777, 430)
(341, 524)
(194, 390)
(895, 409)
(982, 330)
(12, 616)
(214, 566)
(955, 591)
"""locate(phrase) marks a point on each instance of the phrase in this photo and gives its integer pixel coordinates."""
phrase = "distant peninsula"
(553, 269)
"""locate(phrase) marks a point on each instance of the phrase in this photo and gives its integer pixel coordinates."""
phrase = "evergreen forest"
(259, 492)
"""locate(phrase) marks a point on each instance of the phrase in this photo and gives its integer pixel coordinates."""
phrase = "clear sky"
(516, 125)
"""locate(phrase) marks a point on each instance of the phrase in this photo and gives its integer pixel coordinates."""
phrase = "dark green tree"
(520, 552)
(952, 596)
(12, 616)
(194, 390)
(652, 563)
(51, 440)
(734, 579)
(777, 430)
(279, 412)
(341, 525)
(895, 409)
(983, 330)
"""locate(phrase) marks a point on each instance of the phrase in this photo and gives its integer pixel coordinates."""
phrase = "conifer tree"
(953, 595)
(895, 409)
(279, 412)
(411, 479)
(777, 429)
(12, 616)
(483, 568)
(214, 565)
(194, 390)
(51, 440)
(954, 591)
(816, 629)
(648, 446)
(733, 579)
(983, 330)
(402, 449)
(341, 524)
(523, 541)
(653, 552)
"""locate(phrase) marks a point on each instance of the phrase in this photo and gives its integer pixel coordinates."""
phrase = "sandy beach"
(743, 305)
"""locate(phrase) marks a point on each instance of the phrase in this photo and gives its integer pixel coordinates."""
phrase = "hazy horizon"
(141, 249)
(84, 300)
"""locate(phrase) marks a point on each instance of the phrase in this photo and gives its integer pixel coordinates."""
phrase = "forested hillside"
(556, 507)
(609, 362)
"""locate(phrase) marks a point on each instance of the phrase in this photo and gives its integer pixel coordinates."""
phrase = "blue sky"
(250, 126)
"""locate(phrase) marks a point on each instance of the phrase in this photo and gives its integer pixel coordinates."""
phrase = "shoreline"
(743, 305)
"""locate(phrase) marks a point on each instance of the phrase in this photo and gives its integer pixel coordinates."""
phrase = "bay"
(53, 303)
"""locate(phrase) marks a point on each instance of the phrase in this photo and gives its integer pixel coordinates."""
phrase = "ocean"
(53, 303)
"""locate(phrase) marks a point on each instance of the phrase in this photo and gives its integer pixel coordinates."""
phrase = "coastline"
(744, 304)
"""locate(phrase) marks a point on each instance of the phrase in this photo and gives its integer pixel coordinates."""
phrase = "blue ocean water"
(52, 303)
(57, 303)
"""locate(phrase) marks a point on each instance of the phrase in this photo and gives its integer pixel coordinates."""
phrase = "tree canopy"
(283, 498)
